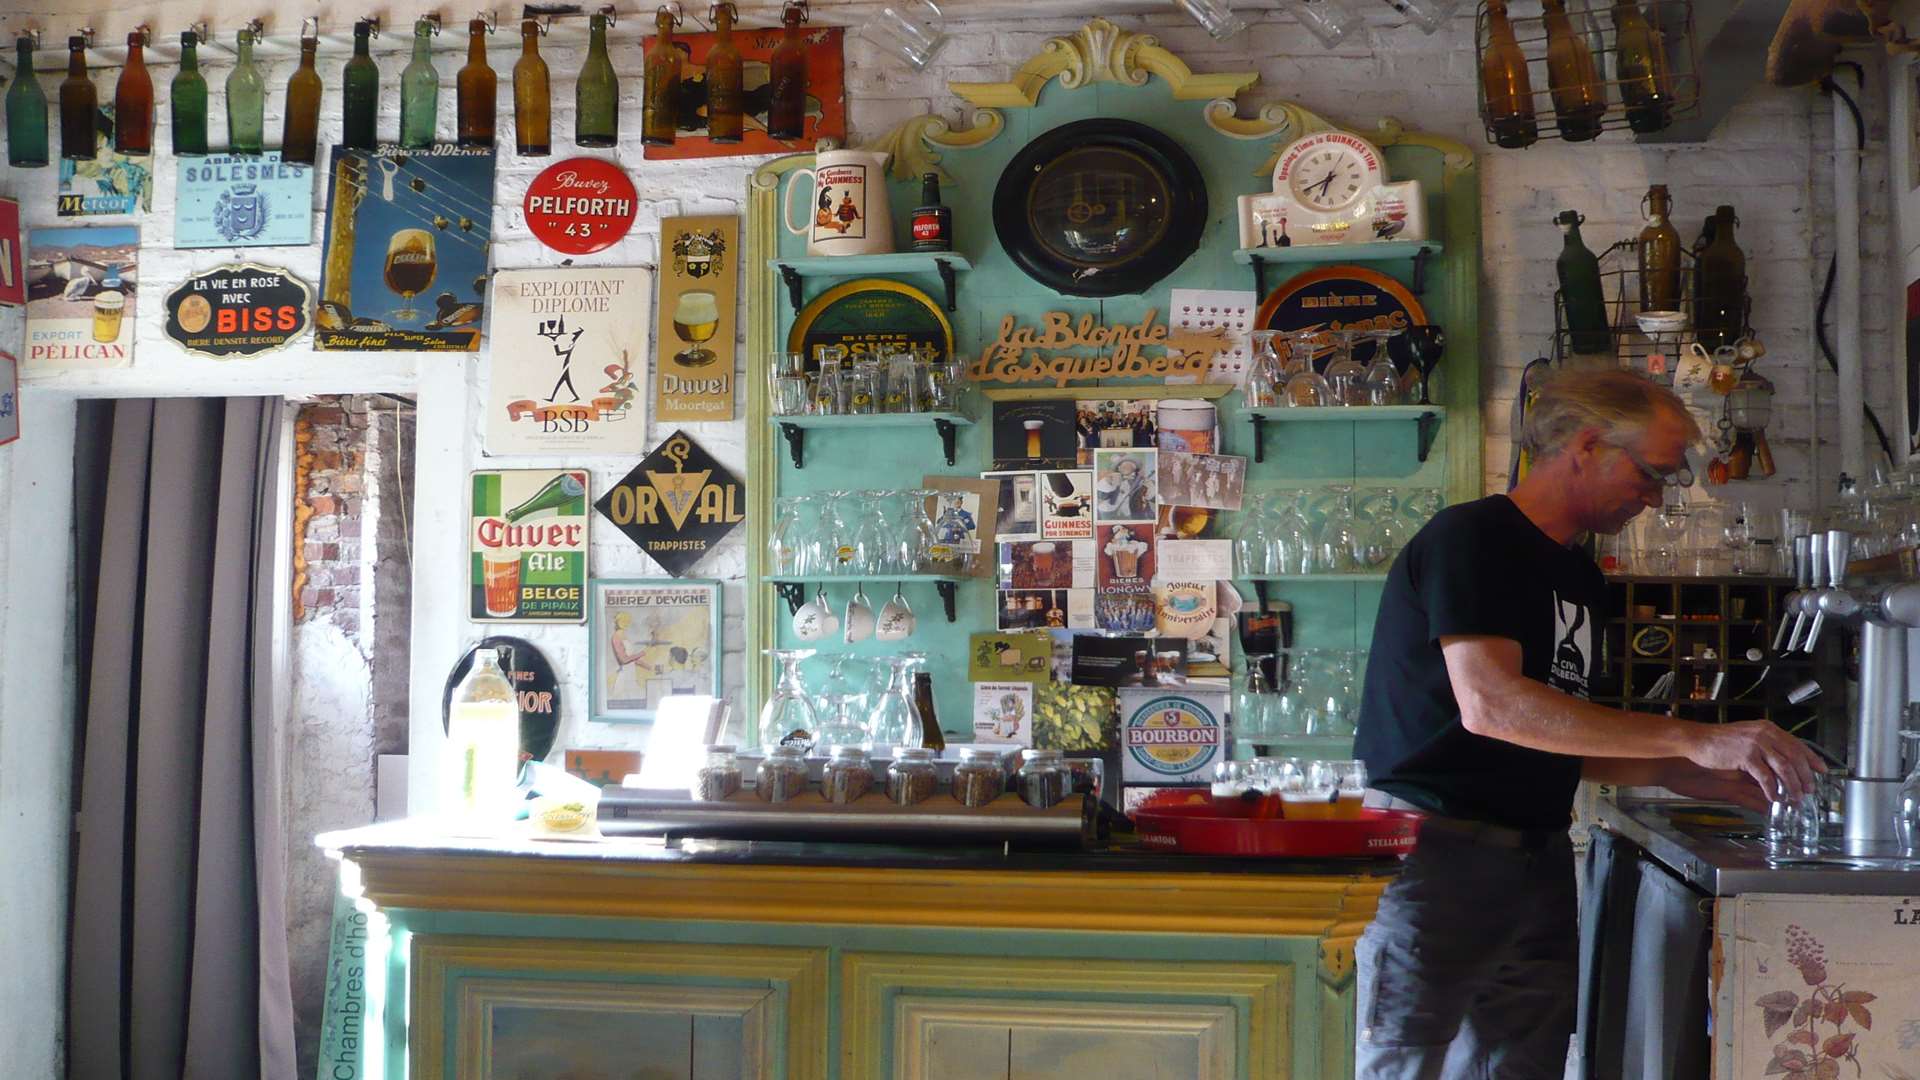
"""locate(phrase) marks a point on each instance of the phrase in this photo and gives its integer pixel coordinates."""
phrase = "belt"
(1484, 833)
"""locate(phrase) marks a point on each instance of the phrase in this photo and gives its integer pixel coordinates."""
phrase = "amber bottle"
(724, 120)
(1579, 101)
(787, 77)
(1659, 250)
(300, 134)
(133, 102)
(1720, 292)
(477, 91)
(1505, 84)
(660, 109)
(78, 103)
(532, 115)
(1646, 87)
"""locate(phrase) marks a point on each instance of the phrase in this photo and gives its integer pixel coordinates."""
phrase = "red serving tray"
(1205, 829)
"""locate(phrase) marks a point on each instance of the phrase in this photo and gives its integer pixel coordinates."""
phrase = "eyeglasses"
(1679, 476)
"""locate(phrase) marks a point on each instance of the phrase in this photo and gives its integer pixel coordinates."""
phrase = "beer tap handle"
(1813, 633)
(1817, 561)
(1788, 619)
(1817, 583)
(1839, 548)
(1802, 561)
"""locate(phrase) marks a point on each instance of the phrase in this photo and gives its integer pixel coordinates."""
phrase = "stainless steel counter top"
(1723, 850)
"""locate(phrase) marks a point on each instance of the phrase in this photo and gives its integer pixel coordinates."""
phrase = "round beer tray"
(1341, 297)
(1214, 829)
(870, 317)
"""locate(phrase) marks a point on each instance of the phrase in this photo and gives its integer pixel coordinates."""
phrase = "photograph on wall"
(1017, 510)
(1033, 435)
(81, 286)
(569, 349)
(1123, 613)
(242, 200)
(651, 640)
(1108, 660)
(1066, 504)
(1003, 712)
(1214, 481)
(677, 504)
(1047, 564)
(1124, 561)
(965, 522)
(528, 546)
(826, 106)
(110, 183)
(1045, 609)
(1113, 423)
(1125, 486)
(699, 276)
(406, 249)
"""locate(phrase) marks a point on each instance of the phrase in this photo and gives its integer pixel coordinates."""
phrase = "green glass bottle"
(419, 91)
(563, 493)
(1719, 302)
(1582, 302)
(246, 102)
(360, 93)
(596, 95)
(26, 112)
(189, 100)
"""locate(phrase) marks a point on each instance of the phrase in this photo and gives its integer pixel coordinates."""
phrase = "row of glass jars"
(978, 779)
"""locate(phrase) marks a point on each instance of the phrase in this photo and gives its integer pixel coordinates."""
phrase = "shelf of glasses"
(945, 263)
(1429, 418)
(947, 424)
(793, 587)
(1373, 251)
(1261, 581)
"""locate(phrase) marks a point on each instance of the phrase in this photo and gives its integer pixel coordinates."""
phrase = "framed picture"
(650, 639)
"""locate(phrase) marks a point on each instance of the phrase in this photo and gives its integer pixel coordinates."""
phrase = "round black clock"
(1100, 208)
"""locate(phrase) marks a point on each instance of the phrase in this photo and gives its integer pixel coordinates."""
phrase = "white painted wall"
(1766, 159)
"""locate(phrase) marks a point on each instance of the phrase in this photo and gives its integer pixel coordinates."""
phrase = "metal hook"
(198, 29)
(491, 17)
(259, 28)
(146, 34)
(544, 23)
(85, 33)
(731, 10)
(33, 32)
(673, 11)
(373, 24)
(805, 9)
(606, 12)
(315, 20)
(434, 18)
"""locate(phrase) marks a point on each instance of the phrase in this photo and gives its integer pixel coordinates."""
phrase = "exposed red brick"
(324, 504)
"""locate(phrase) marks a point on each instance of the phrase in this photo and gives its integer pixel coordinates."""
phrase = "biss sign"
(238, 310)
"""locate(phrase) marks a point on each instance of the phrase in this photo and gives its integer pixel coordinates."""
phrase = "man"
(1475, 712)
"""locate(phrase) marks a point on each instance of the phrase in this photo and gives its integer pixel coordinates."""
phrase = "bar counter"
(858, 960)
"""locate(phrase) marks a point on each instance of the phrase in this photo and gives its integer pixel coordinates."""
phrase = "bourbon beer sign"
(677, 505)
(581, 205)
(527, 540)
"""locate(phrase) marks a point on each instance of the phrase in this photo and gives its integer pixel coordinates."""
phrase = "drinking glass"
(782, 542)
(788, 715)
(830, 383)
(1425, 345)
(895, 720)
(913, 30)
(1419, 506)
(1253, 705)
(1249, 536)
(1380, 382)
(1336, 542)
(1344, 373)
(807, 536)
(841, 726)
(1906, 814)
(874, 549)
(901, 387)
(1263, 373)
(950, 385)
(1305, 385)
(1377, 536)
(1293, 715)
(1332, 21)
(838, 518)
(787, 372)
(863, 392)
(1216, 17)
(920, 536)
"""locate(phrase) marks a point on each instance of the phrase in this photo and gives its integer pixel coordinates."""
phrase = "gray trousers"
(1469, 970)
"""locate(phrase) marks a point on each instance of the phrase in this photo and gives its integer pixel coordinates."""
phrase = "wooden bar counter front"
(710, 959)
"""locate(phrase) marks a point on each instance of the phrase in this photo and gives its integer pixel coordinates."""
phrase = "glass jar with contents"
(719, 778)
(781, 775)
(847, 776)
(1044, 778)
(978, 779)
(912, 777)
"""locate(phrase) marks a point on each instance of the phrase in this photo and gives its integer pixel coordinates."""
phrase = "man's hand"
(1774, 760)
(1713, 785)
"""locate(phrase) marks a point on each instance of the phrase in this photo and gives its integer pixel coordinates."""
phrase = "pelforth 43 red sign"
(581, 205)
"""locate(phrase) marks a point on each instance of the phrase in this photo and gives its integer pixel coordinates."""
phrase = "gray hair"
(1618, 402)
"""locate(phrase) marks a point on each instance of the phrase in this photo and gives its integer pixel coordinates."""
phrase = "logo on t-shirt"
(1572, 646)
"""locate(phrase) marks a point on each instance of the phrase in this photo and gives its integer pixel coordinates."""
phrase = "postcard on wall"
(1124, 613)
(110, 183)
(1125, 485)
(826, 107)
(1196, 560)
(1114, 423)
(527, 541)
(1185, 608)
(1034, 435)
(569, 349)
(699, 275)
(1003, 712)
(1209, 309)
(408, 233)
(242, 200)
(1124, 559)
(1023, 656)
(651, 640)
(1066, 504)
(1047, 564)
(1210, 480)
(1100, 660)
(965, 522)
(1017, 505)
(1045, 609)
(82, 286)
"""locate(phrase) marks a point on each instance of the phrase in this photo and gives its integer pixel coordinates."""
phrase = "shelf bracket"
(793, 592)
(1419, 270)
(1259, 278)
(1260, 591)
(1429, 430)
(792, 277)
(947, 429)
(948, 590)
(796, 442)
(1259, 438)
(947, 279)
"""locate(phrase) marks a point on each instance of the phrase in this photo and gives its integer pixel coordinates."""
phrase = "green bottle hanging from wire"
(596, 94)
(26, 112)
(189, 100)
(1581, 300)
(246, 102)
(360, 93)
(419, 91)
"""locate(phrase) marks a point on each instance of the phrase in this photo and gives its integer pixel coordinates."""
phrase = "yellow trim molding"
(911, 144)
(1101, 52)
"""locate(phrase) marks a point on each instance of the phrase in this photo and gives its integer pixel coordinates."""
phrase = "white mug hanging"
(814, 621)
(896, 619)
(850, 214)
(859, 616)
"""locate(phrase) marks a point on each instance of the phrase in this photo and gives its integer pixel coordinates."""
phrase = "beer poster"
(826, 94)
(242, 200)
(81, 288)
(652, 640)
(406, 252)
(528, 546)
(238, 310)
(568, 354)
(110, 183)
(677, 504)
(699, 273)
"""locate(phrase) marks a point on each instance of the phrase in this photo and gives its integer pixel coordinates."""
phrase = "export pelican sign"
(581, 205)
(238, 310)
(677, 504)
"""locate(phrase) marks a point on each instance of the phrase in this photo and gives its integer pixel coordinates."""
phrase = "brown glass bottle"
(133, 102)
(787, 78)
(1579, 101)
(1505, 84)
(931, 736)
(1720, 289)
(660, 108)
(532, 117)
(1659, 254)
(477, 91)
(1646, 87)
(300, 134)
(724, 120)
(78, 103)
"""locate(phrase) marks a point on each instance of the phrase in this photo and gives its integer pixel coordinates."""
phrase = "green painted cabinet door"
(1014, 1039)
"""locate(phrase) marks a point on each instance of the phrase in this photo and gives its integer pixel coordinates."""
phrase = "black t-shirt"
(1477, 568)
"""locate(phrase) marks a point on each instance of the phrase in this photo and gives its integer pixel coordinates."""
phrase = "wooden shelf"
(794, 428)
(793, 587)
(1349, 579)
(944, 263)
(1429, 417)
(1372, 251)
